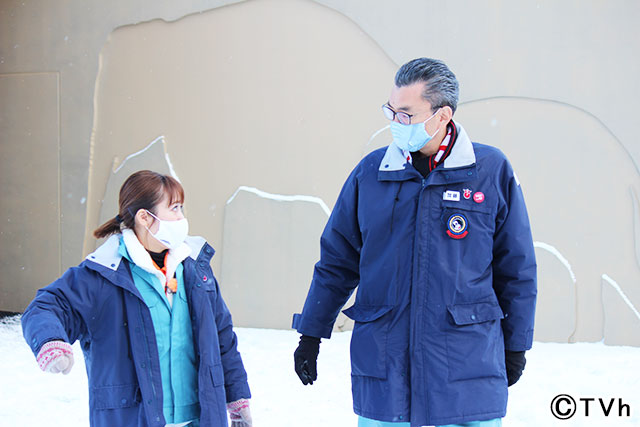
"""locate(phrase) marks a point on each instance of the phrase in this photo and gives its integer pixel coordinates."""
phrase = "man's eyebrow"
(407, 109)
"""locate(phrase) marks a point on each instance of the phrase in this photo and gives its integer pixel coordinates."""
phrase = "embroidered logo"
(452, 196)
(478, 197)
(457, 226)
(466, 193)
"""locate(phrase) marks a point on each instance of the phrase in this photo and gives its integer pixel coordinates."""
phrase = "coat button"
(113, 265)
(143, 365)
(469, 173)
(198, 284)
(123, 401)
(473, 317)
(401, 417)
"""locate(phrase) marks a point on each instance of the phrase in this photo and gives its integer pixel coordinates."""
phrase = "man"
(434, 232)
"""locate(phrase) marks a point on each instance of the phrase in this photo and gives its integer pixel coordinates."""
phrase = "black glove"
(305, 358)
(514, 362)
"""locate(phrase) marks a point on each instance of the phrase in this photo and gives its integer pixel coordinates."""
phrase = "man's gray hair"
(441, 88)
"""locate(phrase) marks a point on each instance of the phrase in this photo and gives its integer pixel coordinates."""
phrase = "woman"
(156, 334)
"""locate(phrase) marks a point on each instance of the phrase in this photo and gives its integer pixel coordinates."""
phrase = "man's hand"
(514, 362)
(305, 358)
(56, 356)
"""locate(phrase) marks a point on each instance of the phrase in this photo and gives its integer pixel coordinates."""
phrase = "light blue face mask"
(411, 137)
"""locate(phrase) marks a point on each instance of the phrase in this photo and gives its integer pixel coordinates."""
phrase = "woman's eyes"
(175, 208)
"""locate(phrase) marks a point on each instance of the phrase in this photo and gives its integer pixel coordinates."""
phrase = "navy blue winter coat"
(446, 277)
(98, 304)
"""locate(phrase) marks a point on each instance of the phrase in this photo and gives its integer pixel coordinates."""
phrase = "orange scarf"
(172, 284)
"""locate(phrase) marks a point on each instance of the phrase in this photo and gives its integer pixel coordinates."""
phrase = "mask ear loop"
(156, 218)
(432, 116)
(133, 215)
(146, 228)
(149, 212)
(425, 123)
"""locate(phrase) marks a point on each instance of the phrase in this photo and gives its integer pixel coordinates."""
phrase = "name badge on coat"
(452, 196)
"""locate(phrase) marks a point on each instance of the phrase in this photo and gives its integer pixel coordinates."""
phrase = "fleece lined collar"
(107, 255)
(462, 154)
(141, 258)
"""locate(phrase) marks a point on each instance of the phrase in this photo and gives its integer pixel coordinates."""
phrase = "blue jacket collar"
(394, 165)
(108, 255)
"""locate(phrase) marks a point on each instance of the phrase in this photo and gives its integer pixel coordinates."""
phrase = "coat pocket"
(477, 220)
(217, 375)
(475, 343)
(212, 395)
(211, 383)
(369, 340)
(115, 396)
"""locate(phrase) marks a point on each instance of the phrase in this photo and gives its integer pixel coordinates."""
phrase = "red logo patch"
(466, 193)
(478, 197)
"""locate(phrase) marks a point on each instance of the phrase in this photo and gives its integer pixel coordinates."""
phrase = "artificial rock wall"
(250, 103)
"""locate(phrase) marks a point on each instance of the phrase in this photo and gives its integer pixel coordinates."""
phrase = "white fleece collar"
(108, 255)
(462, 154)
(142, 259)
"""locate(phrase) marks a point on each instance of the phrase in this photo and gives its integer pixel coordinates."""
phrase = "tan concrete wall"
(29, 178)
(264, 283)
(63, 39)
(284, 96)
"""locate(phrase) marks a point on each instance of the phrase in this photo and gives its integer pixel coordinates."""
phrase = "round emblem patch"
(457, 226)
(478, 197)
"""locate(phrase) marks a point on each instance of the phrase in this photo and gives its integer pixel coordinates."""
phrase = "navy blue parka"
(446, 276)
(99, 304)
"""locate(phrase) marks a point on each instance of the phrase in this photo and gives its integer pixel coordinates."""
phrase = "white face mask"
(170, 233)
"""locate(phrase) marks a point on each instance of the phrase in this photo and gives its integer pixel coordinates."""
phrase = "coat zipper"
(415, 298)
(393, 209)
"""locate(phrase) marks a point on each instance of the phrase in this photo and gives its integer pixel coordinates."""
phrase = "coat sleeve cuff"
(311, 328)
(36, 342)
(521, 342)
(237, 391)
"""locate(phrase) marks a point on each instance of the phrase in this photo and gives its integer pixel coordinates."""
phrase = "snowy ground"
(29, 397)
